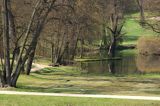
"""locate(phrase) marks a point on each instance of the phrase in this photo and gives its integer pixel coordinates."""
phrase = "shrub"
(149, 45)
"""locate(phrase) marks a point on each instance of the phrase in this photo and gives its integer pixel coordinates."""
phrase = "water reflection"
(124, 66)
(130, 64)
(111, 67)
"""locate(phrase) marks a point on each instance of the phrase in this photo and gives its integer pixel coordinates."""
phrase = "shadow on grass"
(53, 89)
(130, 38)
(157, 92)
(57, 71)
(45, 71)
(40, 78)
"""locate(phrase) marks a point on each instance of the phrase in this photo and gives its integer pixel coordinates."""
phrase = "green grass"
(147, 14)
(14, 100)
(70, 79)
(128, 52)
(133, 31)
(44, 60)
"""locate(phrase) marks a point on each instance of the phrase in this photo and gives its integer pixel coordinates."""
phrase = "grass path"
(81, 95)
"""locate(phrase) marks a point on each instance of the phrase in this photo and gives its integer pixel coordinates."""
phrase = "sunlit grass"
(134, 30)
(69, 79)
(14, 100)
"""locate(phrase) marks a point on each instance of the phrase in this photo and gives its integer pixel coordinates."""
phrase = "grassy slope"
(133, 31)
(12, 100)
(72, 80)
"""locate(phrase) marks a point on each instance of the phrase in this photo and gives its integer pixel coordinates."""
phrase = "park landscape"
(86, 47)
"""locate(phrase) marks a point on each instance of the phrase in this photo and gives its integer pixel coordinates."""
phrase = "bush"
(149, 45)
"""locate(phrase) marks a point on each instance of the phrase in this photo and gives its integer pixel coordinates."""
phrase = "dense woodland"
(62, 30)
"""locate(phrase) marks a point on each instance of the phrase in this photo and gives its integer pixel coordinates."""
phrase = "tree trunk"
(82, 43)
(52, 53)
(31, 58)
(74, 48)
(20, 63)
(141, 8)
(112, 48)
(6, 46)
(39, 27)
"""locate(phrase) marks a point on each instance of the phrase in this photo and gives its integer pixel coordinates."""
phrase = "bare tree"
(115, 29)
(141, 9)
(5, 20)
(36, 25)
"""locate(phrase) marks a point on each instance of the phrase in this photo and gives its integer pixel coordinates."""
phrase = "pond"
(130, 63)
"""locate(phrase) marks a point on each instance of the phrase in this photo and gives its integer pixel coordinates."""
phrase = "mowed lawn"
(133, 30)
(14, 100)
(68, 79)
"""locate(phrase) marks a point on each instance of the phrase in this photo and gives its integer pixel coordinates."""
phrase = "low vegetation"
(134, 31)
(69, 79)
(149, 45)
(14, 100)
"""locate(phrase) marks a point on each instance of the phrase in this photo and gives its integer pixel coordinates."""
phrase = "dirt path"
(155, 18)
(38, 67)
(81, 95)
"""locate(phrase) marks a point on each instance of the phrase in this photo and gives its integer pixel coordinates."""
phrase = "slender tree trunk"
(30, 59)
(6, 46)
(141, 9)
(113, 48)
(20, 63)
(52, 53)
(74, 48)
(29, 62)
(39, 27)
(104, 37)
(82, 43)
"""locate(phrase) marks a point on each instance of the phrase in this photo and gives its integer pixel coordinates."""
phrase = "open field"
(13, 100)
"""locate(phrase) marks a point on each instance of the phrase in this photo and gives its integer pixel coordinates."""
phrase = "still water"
(130, 63)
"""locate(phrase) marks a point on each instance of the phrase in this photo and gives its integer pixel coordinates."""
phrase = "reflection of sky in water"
(129, 64)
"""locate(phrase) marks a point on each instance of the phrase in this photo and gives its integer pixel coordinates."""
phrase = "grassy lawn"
(134, 30)
(13, 100)
(72, 80)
